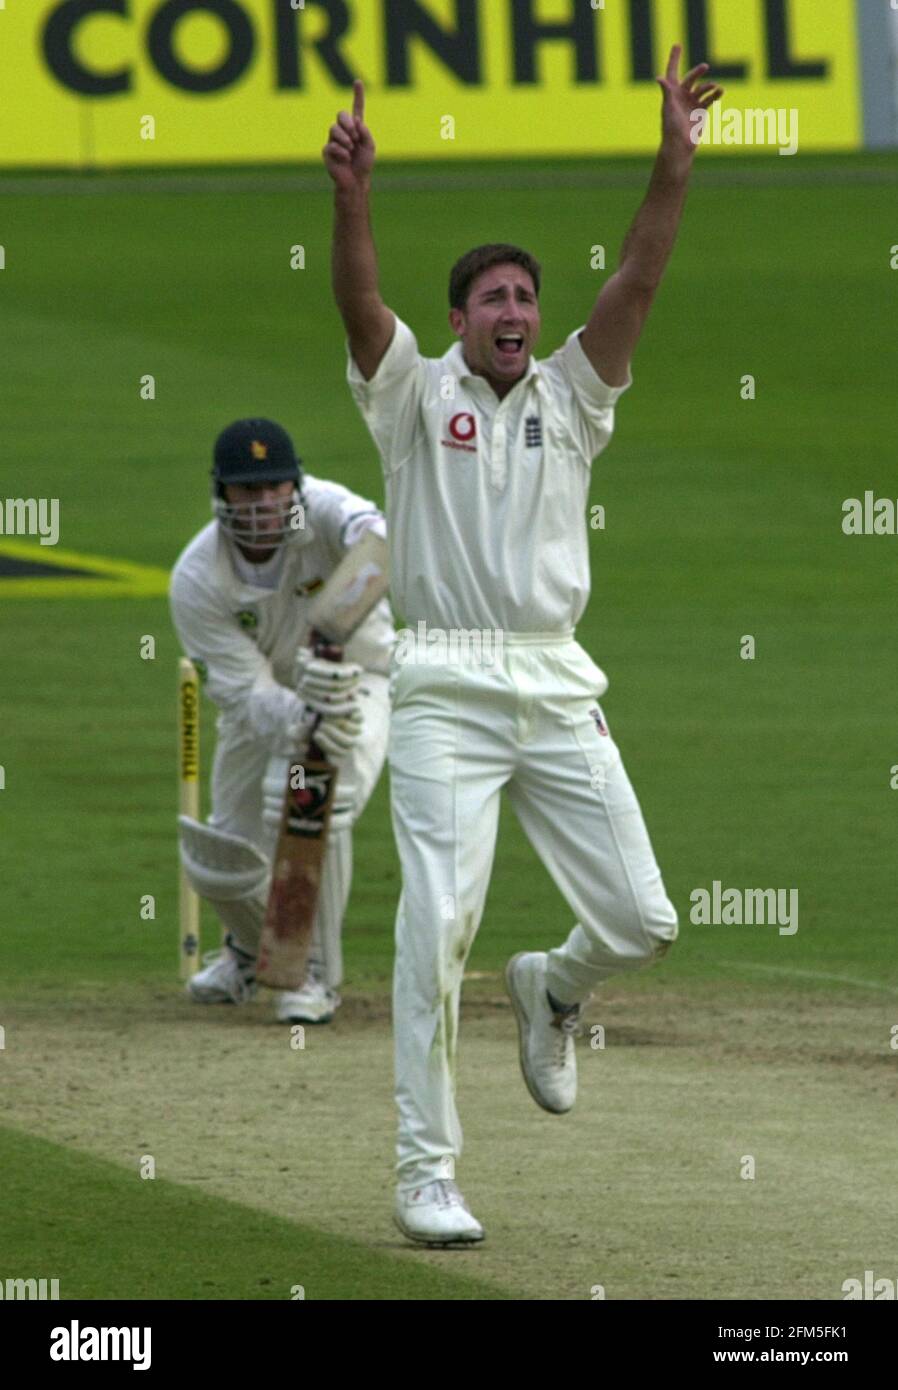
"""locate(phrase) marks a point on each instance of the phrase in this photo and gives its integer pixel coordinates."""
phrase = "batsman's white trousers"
(460, 732)
(238, 772)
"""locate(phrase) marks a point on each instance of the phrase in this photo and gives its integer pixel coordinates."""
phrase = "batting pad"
(221, 867)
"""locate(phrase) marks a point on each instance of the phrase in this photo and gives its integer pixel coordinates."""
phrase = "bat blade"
(296, 878)
(356, 586)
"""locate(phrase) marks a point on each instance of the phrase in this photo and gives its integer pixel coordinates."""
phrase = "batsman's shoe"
(436, 1214)
(228, 977)
(314, 1003)
(546, 1034)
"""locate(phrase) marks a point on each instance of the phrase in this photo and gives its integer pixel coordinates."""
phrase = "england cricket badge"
(533, 432)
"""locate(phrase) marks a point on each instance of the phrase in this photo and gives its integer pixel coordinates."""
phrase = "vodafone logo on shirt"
(463, 429)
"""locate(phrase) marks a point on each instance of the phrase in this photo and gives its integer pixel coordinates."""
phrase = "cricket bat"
(356, 586)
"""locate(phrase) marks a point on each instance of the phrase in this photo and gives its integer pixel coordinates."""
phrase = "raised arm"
(349, 159)
(609, 339)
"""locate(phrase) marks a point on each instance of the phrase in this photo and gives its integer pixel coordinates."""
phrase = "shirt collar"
(455, 361)
(228, 574)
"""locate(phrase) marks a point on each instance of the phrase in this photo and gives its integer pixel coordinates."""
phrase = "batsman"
(240, 597)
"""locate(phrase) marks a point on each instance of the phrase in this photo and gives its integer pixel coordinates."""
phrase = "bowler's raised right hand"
(350, 150)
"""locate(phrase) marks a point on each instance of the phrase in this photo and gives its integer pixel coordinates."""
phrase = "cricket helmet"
(251, 453)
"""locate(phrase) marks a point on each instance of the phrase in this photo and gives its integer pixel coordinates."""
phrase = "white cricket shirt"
(244, 634)
(486, 499)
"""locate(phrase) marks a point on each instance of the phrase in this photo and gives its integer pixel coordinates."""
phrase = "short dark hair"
(474, 263)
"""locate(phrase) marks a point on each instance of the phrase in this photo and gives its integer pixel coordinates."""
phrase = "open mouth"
(510, 346)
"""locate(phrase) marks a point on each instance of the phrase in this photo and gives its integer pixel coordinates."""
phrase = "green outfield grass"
(723, 518)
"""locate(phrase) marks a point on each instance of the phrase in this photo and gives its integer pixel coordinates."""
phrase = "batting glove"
(337, 736)
(334, 734)
(327, 687)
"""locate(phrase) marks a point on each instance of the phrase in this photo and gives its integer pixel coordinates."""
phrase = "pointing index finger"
(673, 64)
(358, 99)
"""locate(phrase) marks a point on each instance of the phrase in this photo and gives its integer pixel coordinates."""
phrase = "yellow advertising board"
(113, 83)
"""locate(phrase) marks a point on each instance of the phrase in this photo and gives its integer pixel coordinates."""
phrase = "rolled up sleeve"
(593, 398)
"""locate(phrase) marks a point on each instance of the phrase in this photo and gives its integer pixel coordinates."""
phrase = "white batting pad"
(221, 867)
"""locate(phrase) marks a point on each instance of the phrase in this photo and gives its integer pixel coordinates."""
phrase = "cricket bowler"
(487, 454)
(240, 595)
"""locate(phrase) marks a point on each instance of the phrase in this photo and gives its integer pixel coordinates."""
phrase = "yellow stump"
(188, 805)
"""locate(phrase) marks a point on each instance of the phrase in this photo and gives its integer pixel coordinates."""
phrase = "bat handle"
(325, 650)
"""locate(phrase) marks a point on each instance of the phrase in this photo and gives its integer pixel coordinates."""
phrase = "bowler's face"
(499, 326)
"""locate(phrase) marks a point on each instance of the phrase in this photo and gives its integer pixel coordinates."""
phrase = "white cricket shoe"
(436, 1214)
(314, 1003)
(229, 977)
(546, 1037)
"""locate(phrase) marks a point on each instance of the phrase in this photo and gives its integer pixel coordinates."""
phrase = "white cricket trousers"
(461, 731)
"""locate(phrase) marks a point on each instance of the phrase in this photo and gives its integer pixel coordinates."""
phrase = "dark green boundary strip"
(107, 1233)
